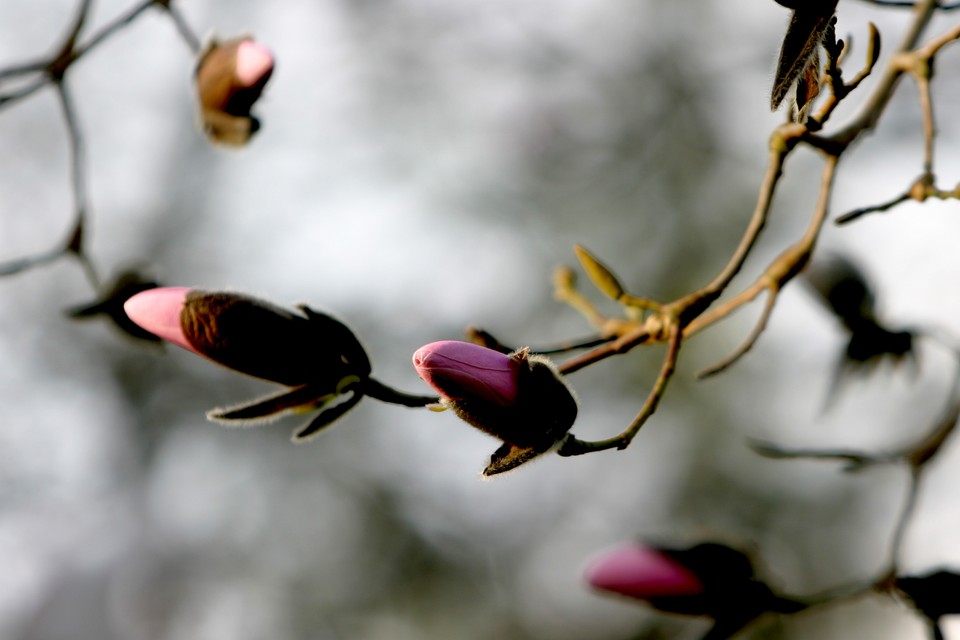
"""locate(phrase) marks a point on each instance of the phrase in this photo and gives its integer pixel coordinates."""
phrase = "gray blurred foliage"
(423, 165)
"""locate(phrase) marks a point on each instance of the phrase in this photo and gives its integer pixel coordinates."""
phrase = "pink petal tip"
(254, 62)
(460, 369)
(641, 572)
(158, 311)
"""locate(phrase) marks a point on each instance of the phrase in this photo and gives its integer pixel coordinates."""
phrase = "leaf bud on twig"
(230, 77)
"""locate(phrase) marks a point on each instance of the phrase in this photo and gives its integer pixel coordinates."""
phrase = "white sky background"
(424, 165)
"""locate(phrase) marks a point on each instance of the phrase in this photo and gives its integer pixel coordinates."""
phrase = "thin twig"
(77, 162)
(782, 142)
(23, 92)
(919, 63)
(113, 27)
(787, 265)
(182, 27)
(23, 68)
(747, 344)
(929, 127)
(379, 391)
(856, 213)
(870, 113)
(75, 243)
(632, 334)
(18, 265)
(573, 446)
(899, 532)
(856, 460)
(53, 71)
(686, 312)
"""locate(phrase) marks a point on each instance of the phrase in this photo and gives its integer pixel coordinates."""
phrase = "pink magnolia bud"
(317, 356)
(158, 311)
(253, 336)
(518, 398)
(641, 572)
(254, 65)
(461, 370)
(230, 77)
(708, 579)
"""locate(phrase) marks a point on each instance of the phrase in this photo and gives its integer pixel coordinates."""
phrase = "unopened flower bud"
(705, 580)
(846, 291)
(460, 371)
(252, 336)
(158, 311)
(230, 77)
(316, 355)
(518, 398)
(642, 572)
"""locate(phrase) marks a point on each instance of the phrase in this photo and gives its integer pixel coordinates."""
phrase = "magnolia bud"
(706, 580)
(230, 77)
(252, 336)
(642, 572)
(313, 353)
(518, 398)
(798, 67)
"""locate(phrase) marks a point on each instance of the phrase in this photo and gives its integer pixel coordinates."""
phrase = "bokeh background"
(424, 165)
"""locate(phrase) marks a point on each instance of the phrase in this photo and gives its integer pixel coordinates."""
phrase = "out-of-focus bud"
(708, 579)
(519, 398)
(934, 595)
(110, 304)
(798, 67)
(316, 355)
(230, 77)
(847, 293)
(642, 572)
